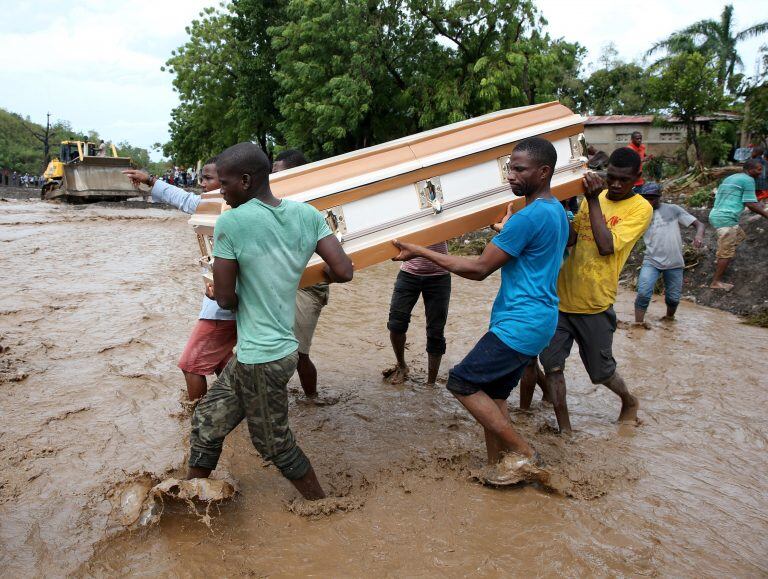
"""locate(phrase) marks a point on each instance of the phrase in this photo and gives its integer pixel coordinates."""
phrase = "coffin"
(423, 189)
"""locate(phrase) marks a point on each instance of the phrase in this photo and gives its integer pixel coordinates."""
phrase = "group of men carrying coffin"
(558, 284)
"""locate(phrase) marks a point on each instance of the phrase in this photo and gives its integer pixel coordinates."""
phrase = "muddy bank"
(747, 271)
(90, 396)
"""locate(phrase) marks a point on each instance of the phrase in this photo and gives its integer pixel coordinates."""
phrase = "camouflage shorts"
(258, 394)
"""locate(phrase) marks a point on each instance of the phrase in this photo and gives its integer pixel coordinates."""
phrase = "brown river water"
(98, 304)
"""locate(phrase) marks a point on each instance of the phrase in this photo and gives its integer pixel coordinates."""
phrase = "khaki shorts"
(728, 239)
(310, 301)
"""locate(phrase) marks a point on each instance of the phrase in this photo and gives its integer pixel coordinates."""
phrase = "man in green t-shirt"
(261, 248)
(733, 194)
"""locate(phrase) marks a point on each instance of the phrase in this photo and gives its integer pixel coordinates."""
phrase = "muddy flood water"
(99, 302)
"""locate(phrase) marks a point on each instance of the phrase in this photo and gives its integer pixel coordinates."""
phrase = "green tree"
(689, 85)
(207, 119)
(712, 37)
(756, 114)
(617, 88)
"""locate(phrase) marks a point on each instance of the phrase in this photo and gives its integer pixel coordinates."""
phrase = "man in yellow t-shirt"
(607, 226)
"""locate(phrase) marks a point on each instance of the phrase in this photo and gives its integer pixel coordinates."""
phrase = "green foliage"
(716, 144)
(20, 150)
(329, 77)
(207, 120)
(716, 40)
(703, 197)
(620, 88)
(688, 83)
(756, 114)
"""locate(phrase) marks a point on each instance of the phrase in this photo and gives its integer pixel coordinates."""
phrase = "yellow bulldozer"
(80, 174)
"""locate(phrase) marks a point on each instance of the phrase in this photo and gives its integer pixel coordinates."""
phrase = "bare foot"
(318, 400)
(667, 319)
(642, 325)
(628, 414)
(722, 286)
(395, 375)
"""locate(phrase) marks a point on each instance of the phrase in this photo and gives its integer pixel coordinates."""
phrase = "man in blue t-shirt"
(528, 250)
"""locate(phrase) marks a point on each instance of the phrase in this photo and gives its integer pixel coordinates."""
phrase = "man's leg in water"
(436, 293)
(629, 404)
(307, 375)
(309, 304)
(265, 400)
(197, 385)
(213, 419)
(673, 289)
(646, 281)
(404, 298)
(553, 360)
(594, 334)
(494, 421)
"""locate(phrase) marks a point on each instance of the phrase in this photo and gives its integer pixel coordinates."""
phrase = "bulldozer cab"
(77, 150)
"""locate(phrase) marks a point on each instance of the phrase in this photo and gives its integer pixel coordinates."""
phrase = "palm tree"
(716, 39)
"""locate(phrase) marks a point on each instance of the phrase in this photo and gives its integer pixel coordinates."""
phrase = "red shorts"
(209, 348)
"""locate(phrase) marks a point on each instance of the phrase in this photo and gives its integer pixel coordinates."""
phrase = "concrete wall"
(658, 140)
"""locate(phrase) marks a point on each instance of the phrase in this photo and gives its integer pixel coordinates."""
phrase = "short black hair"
(625, 157)
(292, 158)
(245, 159)
(211, 161)
(636, 133)
(752, 163)
(540, 150)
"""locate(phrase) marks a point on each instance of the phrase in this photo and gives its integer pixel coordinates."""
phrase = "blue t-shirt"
(524, 315)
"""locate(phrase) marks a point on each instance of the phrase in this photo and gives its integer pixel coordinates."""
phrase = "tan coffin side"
(446, 230)
(214, 205)
(416, 147)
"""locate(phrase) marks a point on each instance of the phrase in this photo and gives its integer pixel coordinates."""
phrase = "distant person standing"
(102, 149)
(636, 144)
(664, 252)
(734, 194)
(6, 175)
(14, 179)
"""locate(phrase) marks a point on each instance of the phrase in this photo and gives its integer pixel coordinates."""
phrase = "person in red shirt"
(636, 144)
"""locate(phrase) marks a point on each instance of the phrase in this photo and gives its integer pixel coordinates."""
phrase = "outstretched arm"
(165, 192)
(757, 208)
(338, 266)
(491, 259)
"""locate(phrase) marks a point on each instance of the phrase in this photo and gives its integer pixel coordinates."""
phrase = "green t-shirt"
(272, 246)
(733, 193)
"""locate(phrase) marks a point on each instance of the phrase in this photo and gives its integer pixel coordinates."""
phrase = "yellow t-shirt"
(588, 281)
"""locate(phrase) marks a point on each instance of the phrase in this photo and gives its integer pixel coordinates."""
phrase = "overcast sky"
(97, 63)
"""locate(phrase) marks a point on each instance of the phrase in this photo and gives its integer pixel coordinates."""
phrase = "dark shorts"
(436, 292)
(594, 335)
(491, 367)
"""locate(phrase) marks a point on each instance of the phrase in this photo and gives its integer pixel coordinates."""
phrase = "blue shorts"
(491, 367)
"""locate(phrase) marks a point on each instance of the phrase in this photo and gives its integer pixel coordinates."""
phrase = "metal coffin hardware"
(430, 194)
(334, 217)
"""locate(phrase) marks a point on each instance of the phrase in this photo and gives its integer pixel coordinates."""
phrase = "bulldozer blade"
(96, 178)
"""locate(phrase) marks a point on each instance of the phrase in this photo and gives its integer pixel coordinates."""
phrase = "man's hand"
(137, 177)
(407, 250)
(209, 293)
(593, 185)
(497, 227)
(698, 242)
